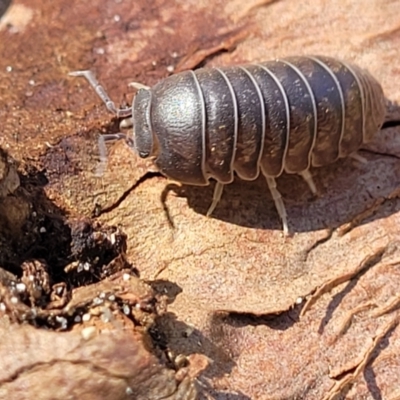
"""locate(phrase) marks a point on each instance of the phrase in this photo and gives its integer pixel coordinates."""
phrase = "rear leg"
(359, 158)
(280, 206)
(310, 182)
(219, 187)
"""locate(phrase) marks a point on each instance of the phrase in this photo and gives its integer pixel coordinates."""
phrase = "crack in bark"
(381, 154)
(198, 57)
(347, 319)
(349, 378)
(258, 4)
(367, 263)
(92, 366)
(368, 212)
(148, 175)
(188, 255)
(318, 243)
(391, 124)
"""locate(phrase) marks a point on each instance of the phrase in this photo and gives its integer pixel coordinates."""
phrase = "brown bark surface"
(119, 286)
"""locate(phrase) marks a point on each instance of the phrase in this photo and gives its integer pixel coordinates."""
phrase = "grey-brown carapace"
(286, 115)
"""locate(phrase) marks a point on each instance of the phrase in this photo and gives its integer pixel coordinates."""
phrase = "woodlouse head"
(143, 141)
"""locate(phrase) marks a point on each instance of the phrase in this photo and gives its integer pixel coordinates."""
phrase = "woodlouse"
(279, 116)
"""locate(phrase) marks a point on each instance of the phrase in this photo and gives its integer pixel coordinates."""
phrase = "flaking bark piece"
(120, 284)
(106, 355)
(9, 179)
(123, 294)
(111, 365)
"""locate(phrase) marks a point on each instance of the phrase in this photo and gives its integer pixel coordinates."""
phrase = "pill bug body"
(279, 116)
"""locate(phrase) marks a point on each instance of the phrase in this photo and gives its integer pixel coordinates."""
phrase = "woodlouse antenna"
(125, 113)
(101, 92)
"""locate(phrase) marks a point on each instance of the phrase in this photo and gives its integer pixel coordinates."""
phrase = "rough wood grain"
(235, 287)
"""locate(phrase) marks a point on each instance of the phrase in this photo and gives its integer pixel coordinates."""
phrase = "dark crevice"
(381, 154)
(279, 321)
(390, 124)
(318, 243)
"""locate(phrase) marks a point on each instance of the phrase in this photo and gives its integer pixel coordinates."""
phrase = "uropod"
(285, 115)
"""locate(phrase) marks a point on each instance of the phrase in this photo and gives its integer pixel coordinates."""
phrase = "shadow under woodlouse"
(4, 4)
(342, 196)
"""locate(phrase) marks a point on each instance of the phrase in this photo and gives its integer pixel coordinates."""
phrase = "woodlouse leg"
(280, 206)
(357, 157)
(101, 167)
(138, 86)
(219, 187)
(126, 123)
(89, 76)
(308, 178)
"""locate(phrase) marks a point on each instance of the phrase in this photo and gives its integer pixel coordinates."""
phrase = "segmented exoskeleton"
(279, 116)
